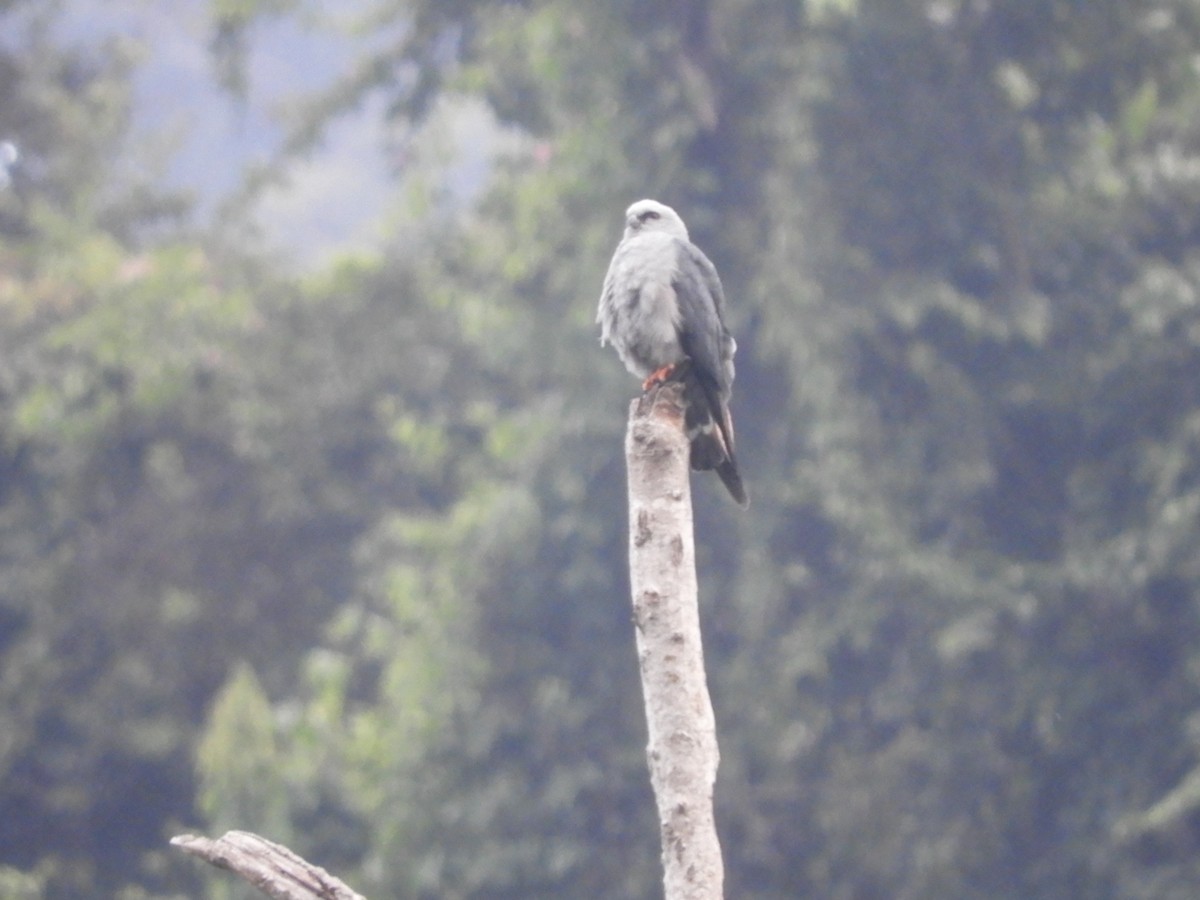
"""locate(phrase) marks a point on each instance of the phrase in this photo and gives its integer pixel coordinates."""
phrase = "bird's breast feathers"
(639, 311)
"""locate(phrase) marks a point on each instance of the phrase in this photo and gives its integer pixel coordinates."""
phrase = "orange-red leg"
(658, 376)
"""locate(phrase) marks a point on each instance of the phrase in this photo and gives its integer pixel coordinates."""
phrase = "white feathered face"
(650, 215)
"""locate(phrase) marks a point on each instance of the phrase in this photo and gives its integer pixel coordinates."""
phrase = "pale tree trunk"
(682, 746)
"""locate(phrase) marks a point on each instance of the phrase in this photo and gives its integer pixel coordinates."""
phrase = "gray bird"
(662, 309)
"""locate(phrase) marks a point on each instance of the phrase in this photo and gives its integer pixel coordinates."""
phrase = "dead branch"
(272, 868)
(682, 746)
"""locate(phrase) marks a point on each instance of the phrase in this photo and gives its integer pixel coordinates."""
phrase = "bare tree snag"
(682, 746)
(272, 868)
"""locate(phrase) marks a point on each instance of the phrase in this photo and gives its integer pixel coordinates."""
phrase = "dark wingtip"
(733, 483)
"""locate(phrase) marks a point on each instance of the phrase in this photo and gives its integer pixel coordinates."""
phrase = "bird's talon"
(659, 376)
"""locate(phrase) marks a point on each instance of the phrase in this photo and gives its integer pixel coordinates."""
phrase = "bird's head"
(650, 215)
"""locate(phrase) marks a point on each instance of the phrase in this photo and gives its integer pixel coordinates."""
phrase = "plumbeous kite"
(662, 309)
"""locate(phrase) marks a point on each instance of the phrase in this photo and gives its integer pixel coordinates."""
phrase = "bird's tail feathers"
(710, 434)
(728, 473)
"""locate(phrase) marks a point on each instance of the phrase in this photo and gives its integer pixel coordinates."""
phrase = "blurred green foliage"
(341, 556)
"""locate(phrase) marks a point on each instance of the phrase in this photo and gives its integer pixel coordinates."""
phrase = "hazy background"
(312, 513)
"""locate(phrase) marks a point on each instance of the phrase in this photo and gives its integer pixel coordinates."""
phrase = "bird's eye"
(649, 214)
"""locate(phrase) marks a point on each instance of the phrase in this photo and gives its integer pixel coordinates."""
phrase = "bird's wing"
(702, 331)
(708, 344)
